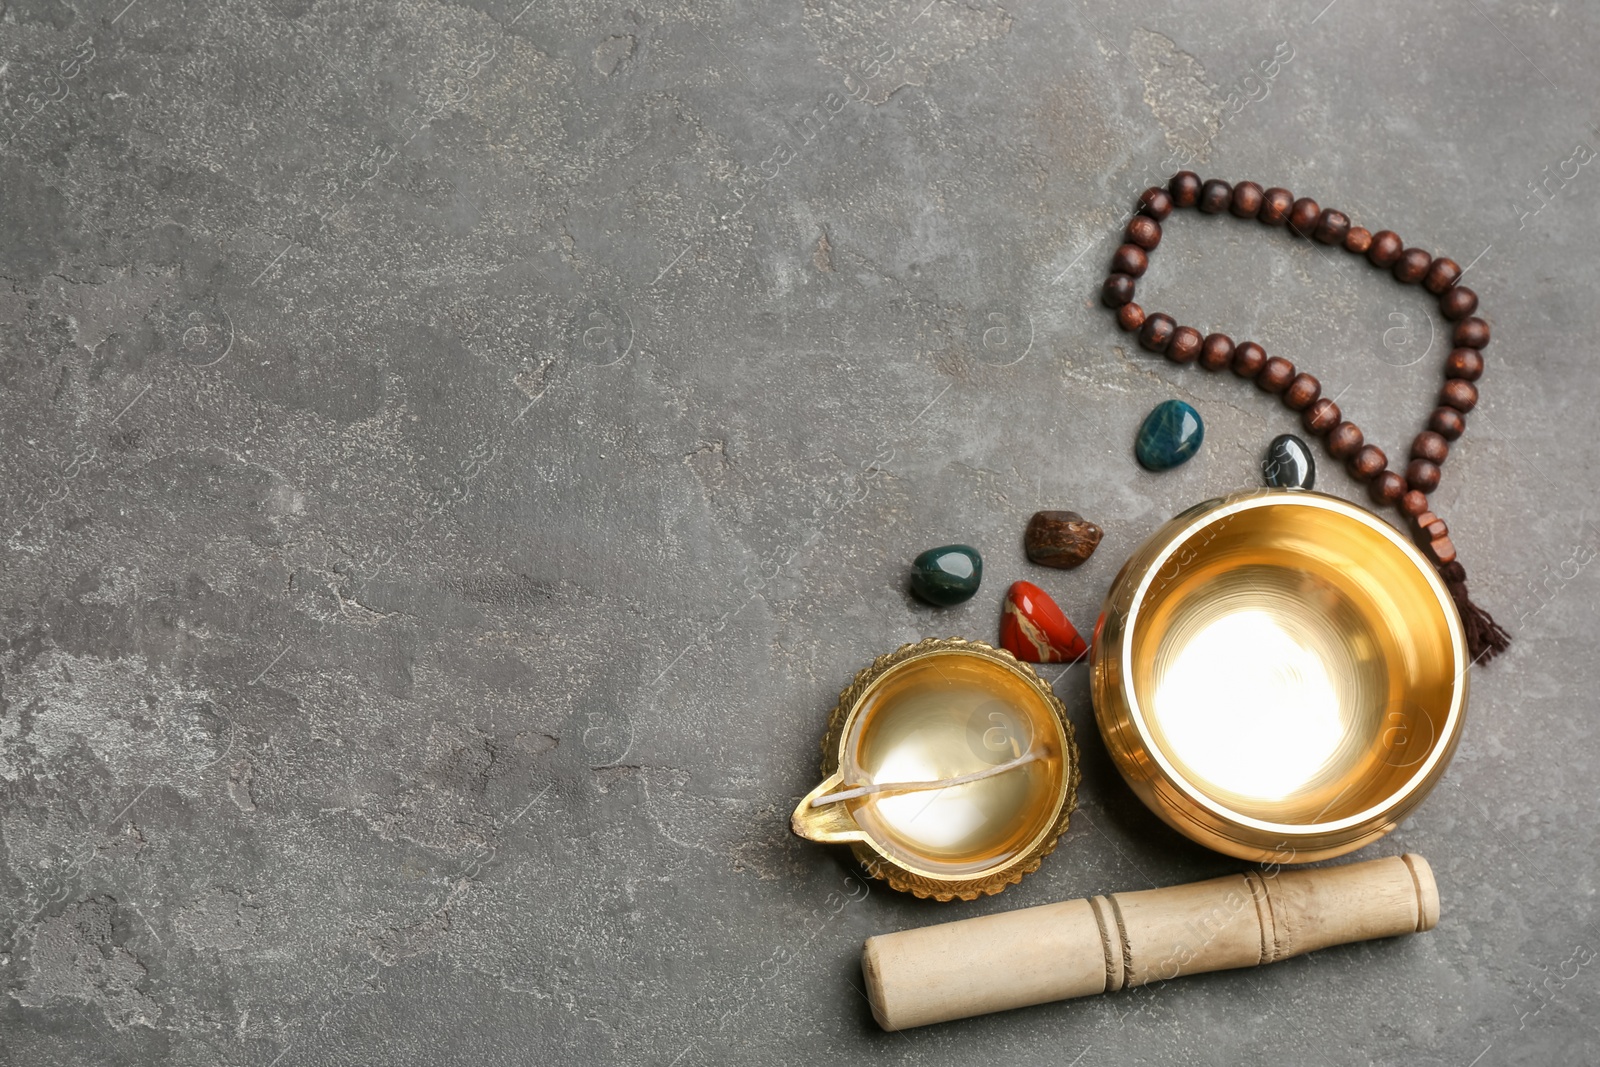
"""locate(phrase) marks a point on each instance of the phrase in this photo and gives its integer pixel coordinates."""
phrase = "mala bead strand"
(1407, 491)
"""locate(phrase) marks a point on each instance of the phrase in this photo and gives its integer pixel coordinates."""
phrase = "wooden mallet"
(1105, 943)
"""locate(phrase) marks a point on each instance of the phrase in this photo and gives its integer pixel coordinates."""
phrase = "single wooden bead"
(1216, 351)
(1464, 363)
(1424, 519)
(1156, 203)
(1431, 526)
(1412, 265)
(1332, 227)
(1368, 463)
(1144, 231)
(1441, 276)
(1275, 206)
(1345, 440)
(1246, 201)
(1460, 394)
(1387, 487)
(1447, 423)
(1215, 195)
(1117, 290)
(1458, 302)
(1321, 416)
(1302, 391)
(1386, 248)
(1441, 551)
(1358, 240)
(1414, 503)
(1129, 260)
(1130, 316)
(1304, 216)
(1430, 446)
(1156, 333)
(1276, 374)
(1422, 475)
(1248, 358)
(1184, 188)
(1185, 344)
(1471, 333)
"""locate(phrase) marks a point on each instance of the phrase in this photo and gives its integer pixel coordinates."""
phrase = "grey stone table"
(454, 453)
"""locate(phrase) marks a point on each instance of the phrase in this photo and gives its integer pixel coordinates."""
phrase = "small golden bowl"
(1280, 675)
(949, 767)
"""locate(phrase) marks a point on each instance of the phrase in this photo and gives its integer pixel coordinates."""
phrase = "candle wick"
(919, 787)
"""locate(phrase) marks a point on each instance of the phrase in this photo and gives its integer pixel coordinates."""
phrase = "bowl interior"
(1294, 664)
(943, 716)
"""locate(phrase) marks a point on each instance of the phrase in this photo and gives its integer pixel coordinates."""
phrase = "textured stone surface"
(455, 453)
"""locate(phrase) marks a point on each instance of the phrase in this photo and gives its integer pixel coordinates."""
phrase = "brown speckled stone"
(1060, 538)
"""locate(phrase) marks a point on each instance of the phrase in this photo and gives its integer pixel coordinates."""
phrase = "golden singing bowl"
(1280, 675)
(949, 767)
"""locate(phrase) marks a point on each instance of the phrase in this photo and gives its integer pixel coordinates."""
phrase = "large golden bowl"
(1280, 675)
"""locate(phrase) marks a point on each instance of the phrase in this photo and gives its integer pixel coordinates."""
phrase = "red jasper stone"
(1034, 630)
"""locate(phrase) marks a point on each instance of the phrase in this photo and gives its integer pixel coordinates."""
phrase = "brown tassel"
(1486, 638)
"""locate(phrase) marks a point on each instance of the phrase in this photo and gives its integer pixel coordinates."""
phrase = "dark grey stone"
(1289, 463)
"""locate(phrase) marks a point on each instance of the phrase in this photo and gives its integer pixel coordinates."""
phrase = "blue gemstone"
(1171, 433)
(947, 575)
(1289, 464)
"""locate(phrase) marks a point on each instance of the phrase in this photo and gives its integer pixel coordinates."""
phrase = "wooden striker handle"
(1080, 947)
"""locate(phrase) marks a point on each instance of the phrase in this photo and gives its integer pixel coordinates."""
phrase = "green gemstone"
(947, 575)
(1171, 433)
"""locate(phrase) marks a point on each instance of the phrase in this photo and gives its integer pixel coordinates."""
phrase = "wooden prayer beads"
(1301, 392)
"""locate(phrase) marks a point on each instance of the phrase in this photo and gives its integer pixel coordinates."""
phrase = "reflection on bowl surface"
(1256, 690)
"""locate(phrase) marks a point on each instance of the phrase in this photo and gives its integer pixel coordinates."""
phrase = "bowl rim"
(1444, 743)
